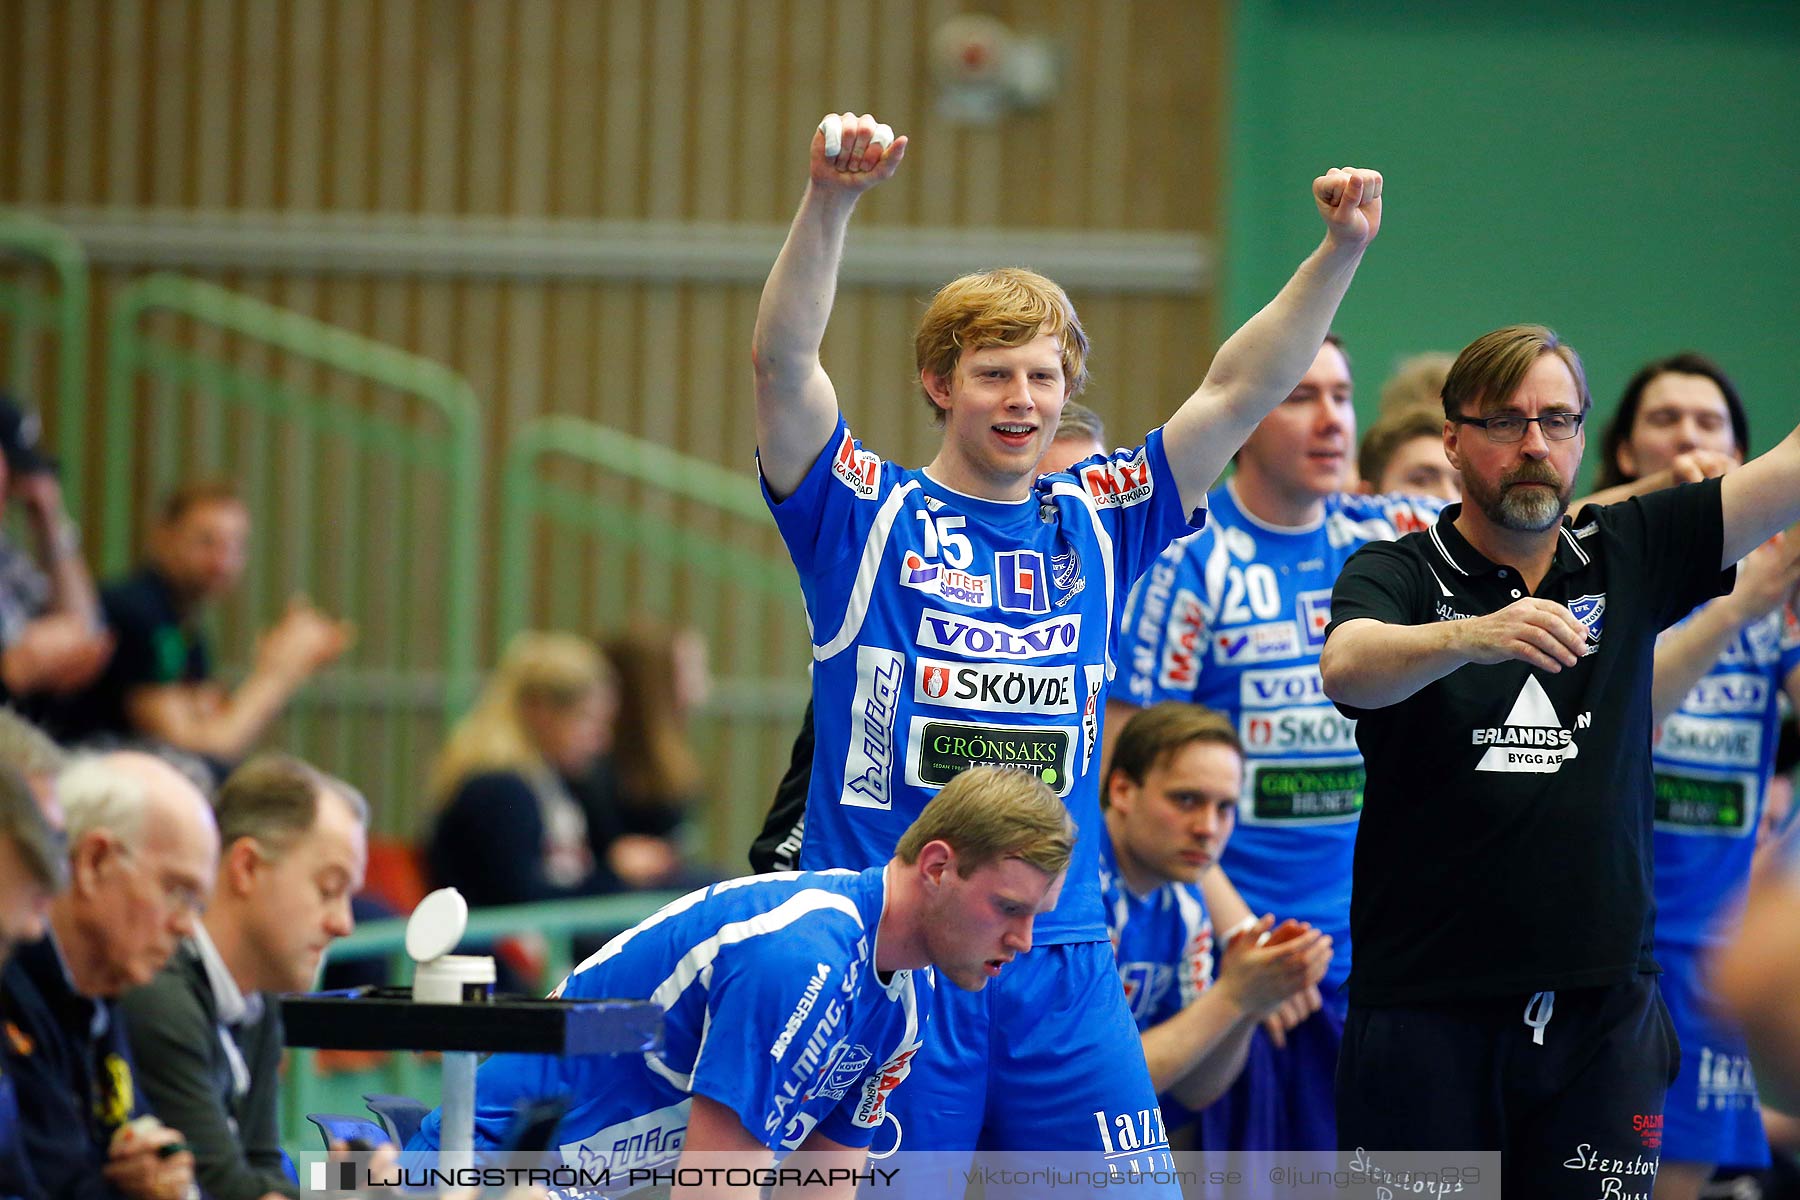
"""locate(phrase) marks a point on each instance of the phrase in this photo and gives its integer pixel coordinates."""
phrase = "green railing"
(361, 466)
(527, 496)
(598, 528)
(62, 314)
(307, 1090)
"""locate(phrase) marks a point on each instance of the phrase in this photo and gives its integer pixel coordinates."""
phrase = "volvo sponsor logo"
(989, 687)
(1280, 688)
(868, 767)
(1716, 695)
(984, 639)
(942, 750)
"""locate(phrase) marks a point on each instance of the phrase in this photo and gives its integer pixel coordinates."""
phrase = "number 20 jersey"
(951, 631)
(1234, 618)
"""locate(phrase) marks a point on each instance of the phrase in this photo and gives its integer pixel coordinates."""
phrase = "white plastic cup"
(454, 979)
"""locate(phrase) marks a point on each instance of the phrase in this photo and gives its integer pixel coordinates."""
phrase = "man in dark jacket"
(206, 1032)
(142, 852)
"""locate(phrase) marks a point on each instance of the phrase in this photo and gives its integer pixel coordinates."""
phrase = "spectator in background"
(1716, 696)
(663, 681)
(1679, 421)
(1403, 452)
(28, 750)
(205, 1033)
(158, 686)
(51, 639)
(142, 850)
(32, 867)
(509, 831)
(1418, 382)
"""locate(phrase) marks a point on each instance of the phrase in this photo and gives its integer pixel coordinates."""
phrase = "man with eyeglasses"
(142, 851)
(1499, 667)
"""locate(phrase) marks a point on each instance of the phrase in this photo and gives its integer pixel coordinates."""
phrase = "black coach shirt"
(1505, 844)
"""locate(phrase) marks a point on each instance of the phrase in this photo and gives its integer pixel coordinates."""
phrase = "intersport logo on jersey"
(1049, 691)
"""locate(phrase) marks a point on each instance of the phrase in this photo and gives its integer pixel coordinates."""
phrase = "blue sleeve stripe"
(866, 572)
(673, 908)
(701, 956)
(1106, 557)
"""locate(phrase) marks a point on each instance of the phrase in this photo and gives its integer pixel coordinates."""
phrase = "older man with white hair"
(143, 850)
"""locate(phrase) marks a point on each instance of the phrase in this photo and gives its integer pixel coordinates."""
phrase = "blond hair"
(1417, 381)
(559, 669)
(1491, 368)
(991, 813)
(1006, 307)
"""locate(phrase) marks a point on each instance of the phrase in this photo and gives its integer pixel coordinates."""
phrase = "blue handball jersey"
(772, 1007)
(1163, 943)
(950, 632)
(1233, 617)
(1713, 758)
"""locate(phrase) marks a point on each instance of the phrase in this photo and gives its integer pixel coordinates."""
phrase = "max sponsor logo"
(857, 469)
(989, 688)
(871, 1110)
(1184, 643)
(1119, 483)
(971, 638)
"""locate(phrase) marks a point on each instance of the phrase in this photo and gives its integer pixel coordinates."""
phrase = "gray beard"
(1528, 512)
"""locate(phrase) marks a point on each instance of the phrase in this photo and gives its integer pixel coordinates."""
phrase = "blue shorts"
(1044, 1059)
(1284, 1099)
(1711, 1114)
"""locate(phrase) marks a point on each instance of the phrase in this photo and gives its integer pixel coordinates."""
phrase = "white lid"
(436, 925)
(469, 968)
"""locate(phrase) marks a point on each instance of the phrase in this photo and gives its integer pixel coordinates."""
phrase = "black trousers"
(1567, 1086)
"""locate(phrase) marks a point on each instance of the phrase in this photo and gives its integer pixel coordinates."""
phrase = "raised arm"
(796, 406)
(1760, 497)
(1768, 579)
(1260, 364)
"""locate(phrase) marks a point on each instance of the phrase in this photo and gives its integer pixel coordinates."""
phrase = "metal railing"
(361, 466)
(678, 538)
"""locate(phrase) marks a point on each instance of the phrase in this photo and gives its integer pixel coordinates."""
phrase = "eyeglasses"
(1557, 426)
(177, 896)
